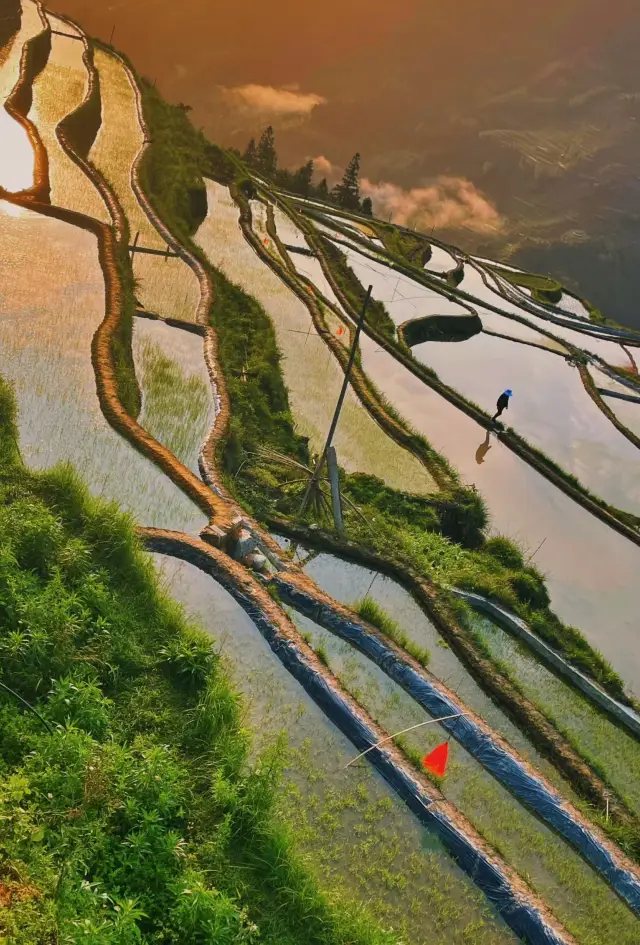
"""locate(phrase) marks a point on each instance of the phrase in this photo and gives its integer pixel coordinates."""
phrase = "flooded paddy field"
(353, 832)
(46, 331)
(177, 399)
(613, 751)
(58, 90)
(165, 286)
(550, 408)
(577, 895)
(590, 570)
(308, 366)
(16, 152)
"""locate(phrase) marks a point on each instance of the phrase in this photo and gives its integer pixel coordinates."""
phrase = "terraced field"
(189, 376)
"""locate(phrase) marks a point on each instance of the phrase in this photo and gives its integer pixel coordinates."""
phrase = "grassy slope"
(139, 816)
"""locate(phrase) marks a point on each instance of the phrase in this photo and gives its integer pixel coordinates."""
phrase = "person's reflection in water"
(484, 448)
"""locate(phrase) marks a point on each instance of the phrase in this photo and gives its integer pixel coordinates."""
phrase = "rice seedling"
(46, 334)
(610, 749)
(417, 635)
(311, 374)
(373, 613)
(167, 287)
(57, 91)
(177, 400)
(341, 819)
(576, 894)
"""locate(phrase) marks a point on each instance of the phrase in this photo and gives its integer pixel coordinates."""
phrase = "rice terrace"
(299, 643)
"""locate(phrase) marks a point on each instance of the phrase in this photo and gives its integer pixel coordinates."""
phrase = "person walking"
(503, 403)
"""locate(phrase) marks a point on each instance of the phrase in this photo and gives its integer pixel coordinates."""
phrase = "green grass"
(126, 383)
(377, 315)
(172, 170)
(609, 749)
(412, 247)
(547, 288)
(140, 816)
(372, 612)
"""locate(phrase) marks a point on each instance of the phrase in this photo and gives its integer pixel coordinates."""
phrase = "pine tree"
(347, 192)
(367, 207)
(303, 178)
(249, 156)
(266, 158)
(323, 189)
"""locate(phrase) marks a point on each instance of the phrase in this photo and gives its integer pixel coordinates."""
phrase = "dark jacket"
(503, 402)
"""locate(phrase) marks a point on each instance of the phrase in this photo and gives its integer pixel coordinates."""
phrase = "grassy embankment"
(134, 814)
(446, 542)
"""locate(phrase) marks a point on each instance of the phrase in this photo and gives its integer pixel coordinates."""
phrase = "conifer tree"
(249, 156)
(367, 207)
(266, 157)
(347, 192)
(323, 189)
(303, 178)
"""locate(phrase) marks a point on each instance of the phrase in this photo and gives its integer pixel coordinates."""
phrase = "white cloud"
(323, 167)
(448, 203)
(267, 101)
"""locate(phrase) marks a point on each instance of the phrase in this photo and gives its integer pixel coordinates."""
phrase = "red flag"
(436, 761)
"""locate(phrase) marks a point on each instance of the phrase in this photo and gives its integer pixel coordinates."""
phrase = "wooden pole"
(334, 479)
(135, 243)
(336, 416)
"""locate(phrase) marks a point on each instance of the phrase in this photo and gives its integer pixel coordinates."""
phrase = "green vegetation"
(263, 158)
(412, 247)
(383, 857)
(176, 404)
(377, 315)
(372, 612)
(611, 751)
(172, 170)
(260, 414)
(441, 538)
(135, 816)
(543, 288)
(124, 368)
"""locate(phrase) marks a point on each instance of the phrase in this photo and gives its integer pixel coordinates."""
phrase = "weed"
(373, 613)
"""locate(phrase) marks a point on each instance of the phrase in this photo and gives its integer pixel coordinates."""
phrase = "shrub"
(529, 589)
(504, 551)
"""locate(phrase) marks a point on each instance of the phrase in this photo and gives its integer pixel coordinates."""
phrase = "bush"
(505, 552)
(529, 589)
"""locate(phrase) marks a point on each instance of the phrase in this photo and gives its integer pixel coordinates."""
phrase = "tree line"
(263, 158)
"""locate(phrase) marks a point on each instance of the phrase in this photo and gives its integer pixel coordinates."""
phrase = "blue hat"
(509, 393)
